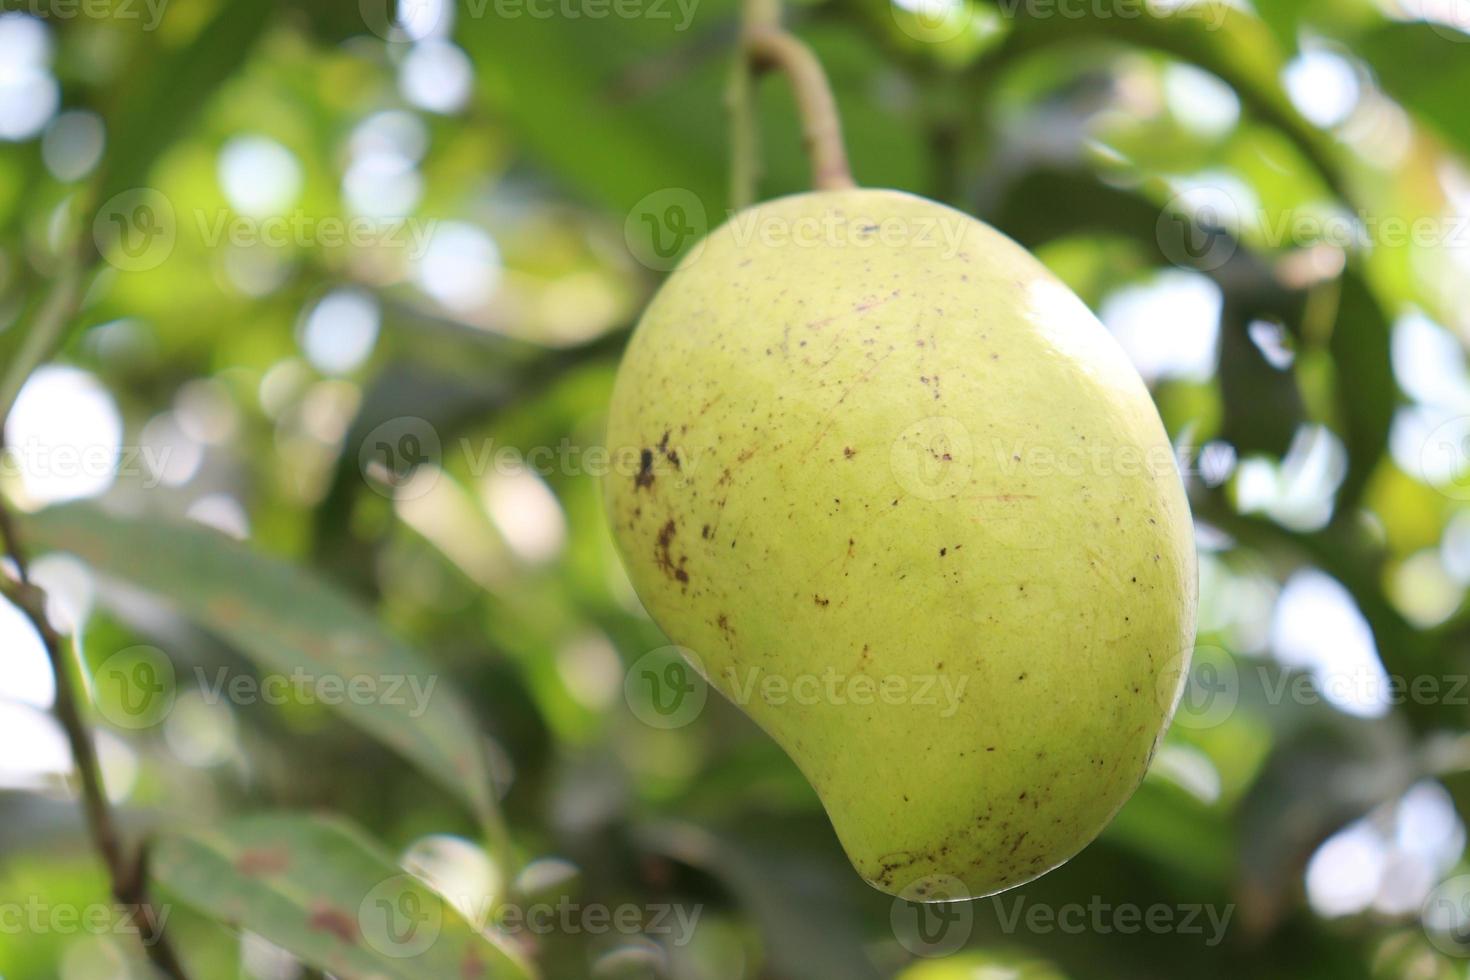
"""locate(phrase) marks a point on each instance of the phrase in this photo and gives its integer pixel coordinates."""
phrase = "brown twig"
(128, 878)
(820, 124)
(765, 45)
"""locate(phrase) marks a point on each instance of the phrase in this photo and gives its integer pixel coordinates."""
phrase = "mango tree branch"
(128, 880)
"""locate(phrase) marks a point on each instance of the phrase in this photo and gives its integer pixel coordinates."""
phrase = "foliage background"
(1183, 168)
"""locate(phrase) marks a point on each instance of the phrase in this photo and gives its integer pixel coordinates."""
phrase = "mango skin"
(875, 438)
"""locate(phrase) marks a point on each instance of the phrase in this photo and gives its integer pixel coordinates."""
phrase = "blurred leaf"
(1366, 394)
(1175, 831)
(624, 107)
(321, 889)
(287, 620)
(1426, 71)
(154, 113)
(620, 106)
(794, 887)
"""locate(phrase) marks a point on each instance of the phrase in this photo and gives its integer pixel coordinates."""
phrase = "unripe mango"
(913, 510)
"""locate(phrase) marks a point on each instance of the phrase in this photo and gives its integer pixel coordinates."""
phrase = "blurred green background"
(344, 285)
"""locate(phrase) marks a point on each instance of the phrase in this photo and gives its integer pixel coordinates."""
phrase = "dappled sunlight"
(27, 675)
(73, 144)
(1390, 860)
(339, 332)
(1169, 326)
(461, 267)
(526, 512)
(1299, 491)
(1323, 84)
(1318, 628)
(436, 76)
(64, 436)
(259, 176)
(29, 94)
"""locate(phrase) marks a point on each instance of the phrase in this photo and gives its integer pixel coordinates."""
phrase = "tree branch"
(128, 879)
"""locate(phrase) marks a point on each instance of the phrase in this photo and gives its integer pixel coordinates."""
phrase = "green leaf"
(153, 114)
(1424, 68)
(1365, 391)
(624, 107)
(618, 107)
(284, 618)
(321, 889)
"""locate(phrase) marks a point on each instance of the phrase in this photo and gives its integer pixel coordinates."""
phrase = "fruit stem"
(764, 45)
(821, 126)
